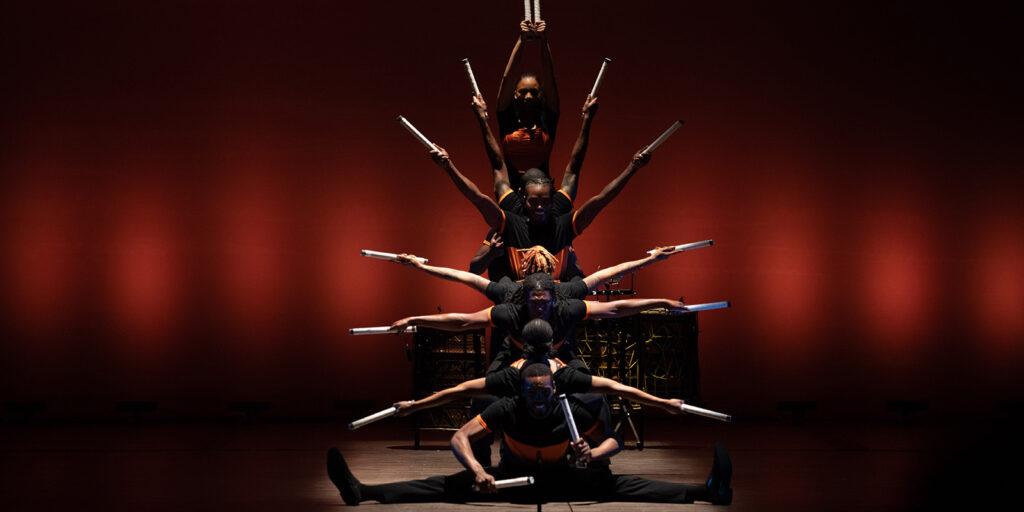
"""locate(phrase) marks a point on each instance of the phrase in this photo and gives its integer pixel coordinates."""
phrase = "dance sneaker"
(721, 473)
(342, 478)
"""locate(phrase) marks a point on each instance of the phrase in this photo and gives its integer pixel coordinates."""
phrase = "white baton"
(472, 79)
(687, 247)
(703, 307)
(416, 133)
(359, 331)
(536, 10)
(511, 482)
(705, 412)
(573, 431)
(600, 76)
(389, 256)
(657, 142)
(526, 11)
(386, 413)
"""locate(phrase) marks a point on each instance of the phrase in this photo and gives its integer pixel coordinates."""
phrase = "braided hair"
(536, 338)
(538, 259)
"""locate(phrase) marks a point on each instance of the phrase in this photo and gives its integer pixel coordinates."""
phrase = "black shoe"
(342, 478)
(721, 474)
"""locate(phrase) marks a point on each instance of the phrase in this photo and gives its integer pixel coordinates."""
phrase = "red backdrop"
(187, 187)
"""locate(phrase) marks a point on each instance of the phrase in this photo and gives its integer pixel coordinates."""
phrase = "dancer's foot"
(721, 474)
(342, 478)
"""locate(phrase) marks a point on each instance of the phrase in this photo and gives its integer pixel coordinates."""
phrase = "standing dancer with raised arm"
(528, 105)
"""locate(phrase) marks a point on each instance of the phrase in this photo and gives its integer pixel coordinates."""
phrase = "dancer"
(528, 105)
(539, 225)
(536, 442)
(537, 299)
(537, 259)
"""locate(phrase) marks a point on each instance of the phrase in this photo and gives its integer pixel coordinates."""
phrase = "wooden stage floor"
(881, 465)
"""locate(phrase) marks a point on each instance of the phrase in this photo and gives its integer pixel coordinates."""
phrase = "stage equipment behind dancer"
(536, 442)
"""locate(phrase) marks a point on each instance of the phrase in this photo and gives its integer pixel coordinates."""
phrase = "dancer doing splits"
(536, 442)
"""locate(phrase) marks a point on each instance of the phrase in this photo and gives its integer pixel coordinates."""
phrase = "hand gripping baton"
(511, 482)
(359, 331)
(389, 256)
(573, 431)
(386, 413)
(685, 247)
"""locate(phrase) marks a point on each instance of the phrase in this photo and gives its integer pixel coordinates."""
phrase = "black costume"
(533, 447)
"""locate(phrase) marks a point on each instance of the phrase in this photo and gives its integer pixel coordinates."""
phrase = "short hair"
(536, 370)
(535, 176)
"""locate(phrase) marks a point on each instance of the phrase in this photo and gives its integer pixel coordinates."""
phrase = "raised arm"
(491, 145)
(446, 321)
(513, 69)
(490, 210)
(459, 276)
(547, 68)
(611, 387)
(598, 278)
(571, 176)
(488, 252)
(621, 308)
(465, 389)
(594, 205)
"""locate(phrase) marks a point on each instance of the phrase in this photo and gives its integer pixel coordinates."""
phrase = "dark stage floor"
(280, 466)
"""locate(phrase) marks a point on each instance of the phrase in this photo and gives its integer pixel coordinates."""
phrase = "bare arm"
(461, 447)
(598, 278)
(513, 69)
(488, 252)
(607, 446)
(547, 68)
(611, 387)
(490, 210)
(459, 276)
(446, 321)
(491, 146)
(465, 389)
(621, 308)
(571, 176)
(594, 205)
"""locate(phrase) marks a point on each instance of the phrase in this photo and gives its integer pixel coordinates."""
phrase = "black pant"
(560, 483)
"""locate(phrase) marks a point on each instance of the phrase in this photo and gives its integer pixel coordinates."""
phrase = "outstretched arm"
(459, 276)
(465, 389)
(598, 278)
(627, 307)
(594, 205)
(446, 321)
(571, 176)
(491, 146)
(492, 213)
(611, 387)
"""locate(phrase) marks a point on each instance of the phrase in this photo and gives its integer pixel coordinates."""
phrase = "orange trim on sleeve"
(589, 431)
(487, 243)
(482, 423)
(564, 193)
(503, 196)
(574, 230)
(489, 321)
(502, 230)
(586, 304)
